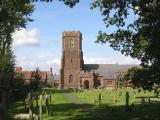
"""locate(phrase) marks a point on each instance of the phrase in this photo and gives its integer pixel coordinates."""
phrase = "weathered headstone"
(99, 98)
(40, 107)
(50, 97)
(143, 100)
(134, 95)
(127, 101)
(114, 98)
(51, 109)
(30, 105)
(47, 104)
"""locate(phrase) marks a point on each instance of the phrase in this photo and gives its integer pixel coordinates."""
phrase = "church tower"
(72, 59)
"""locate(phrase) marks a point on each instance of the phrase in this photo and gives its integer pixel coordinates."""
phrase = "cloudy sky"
(39, 45)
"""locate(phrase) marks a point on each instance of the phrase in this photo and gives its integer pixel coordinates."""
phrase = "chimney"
(51, 70)
(19, 69)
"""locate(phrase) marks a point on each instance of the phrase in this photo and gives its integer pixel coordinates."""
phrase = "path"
(84, 107)
(75, 101)
(72, 98)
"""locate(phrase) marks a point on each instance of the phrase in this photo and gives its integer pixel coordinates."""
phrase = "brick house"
(45, 75)
(75, 74)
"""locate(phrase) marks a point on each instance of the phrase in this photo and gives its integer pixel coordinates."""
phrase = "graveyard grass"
(111, 108)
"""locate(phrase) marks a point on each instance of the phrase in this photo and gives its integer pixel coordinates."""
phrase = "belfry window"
(71, 79)
(71, 43)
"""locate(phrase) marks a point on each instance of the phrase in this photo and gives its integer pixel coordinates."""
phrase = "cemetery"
(105, 56)
(88, 104)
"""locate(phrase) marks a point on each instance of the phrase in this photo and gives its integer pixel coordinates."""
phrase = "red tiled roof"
(28, 74)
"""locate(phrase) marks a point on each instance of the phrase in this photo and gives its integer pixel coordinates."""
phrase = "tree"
(35, 79)
(20, 87)
(6, 76)
(70, 3)
(96, 80)
(140, 78)
(14, 14)
(138, 38)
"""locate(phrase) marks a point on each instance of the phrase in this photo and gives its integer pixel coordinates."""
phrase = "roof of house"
(108, 71)
(27, 74)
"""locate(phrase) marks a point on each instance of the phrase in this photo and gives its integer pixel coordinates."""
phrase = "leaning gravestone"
(99, 98)
(114, 98)
(29, 105)
(40, 107)
(50, 97)
(47, 104)
(127, 101)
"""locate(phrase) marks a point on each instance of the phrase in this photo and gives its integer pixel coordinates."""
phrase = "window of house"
(71, 79)
(71, 43)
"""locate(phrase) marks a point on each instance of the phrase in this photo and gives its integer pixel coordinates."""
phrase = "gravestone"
(127, 108)
(47, 104)
(40, 107)
(30, 105)
(114, 97)
(99, 98)
(50, 97)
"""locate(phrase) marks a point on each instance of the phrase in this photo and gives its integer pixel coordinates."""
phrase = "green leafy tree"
(6, 77)
(70, 3)
(14, 14)
(6, 70)
(121, 81)
(96, 80)
(35, 79)
(139, 37)
(140, 77)
(20, 87)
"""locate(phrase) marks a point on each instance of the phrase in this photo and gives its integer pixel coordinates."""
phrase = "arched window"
(71, 79)
(71, 43)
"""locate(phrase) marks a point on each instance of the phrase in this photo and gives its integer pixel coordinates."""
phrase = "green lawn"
(111, 97)
(112, 107)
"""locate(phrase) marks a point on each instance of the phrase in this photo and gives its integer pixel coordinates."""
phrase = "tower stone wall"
(72, 59)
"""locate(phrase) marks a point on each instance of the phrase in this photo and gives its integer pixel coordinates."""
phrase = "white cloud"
(42, 60)
(54, 61)
(45, 61)
(111, 60)
(25, 38)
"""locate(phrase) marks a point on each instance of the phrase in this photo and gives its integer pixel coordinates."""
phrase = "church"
(75, 74)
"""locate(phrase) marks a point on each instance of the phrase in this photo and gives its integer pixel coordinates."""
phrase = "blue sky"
(39, 45)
